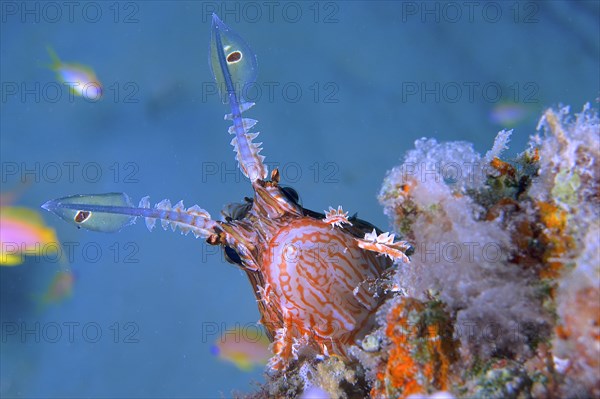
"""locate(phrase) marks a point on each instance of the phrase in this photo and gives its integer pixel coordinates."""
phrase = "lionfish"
(312, 273)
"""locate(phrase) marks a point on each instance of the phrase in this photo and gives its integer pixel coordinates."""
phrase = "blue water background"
(159, 131)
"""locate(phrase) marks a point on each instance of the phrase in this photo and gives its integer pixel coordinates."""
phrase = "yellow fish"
(23, 232)
(81, 79)
(245, 347)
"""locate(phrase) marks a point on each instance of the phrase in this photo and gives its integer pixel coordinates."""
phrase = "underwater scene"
(419, 216)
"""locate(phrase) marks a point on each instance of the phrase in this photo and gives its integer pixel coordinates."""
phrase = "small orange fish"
(10, 197)
(245, 347)
(81, 79)
(23, 233)
(60, 288)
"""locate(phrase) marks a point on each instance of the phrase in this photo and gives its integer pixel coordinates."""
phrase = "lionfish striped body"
(307, 276)
(312, 273)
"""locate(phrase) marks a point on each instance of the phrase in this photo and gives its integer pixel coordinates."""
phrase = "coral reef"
(501, 298)
(419, 348)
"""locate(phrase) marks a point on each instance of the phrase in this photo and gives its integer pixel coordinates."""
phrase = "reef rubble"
(501, 298)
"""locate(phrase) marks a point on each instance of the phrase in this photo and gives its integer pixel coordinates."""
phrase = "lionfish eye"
(232, 256)
(291, 194)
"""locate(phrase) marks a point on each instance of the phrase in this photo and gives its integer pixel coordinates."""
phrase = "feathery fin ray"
(233, 65)
(113, 211)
